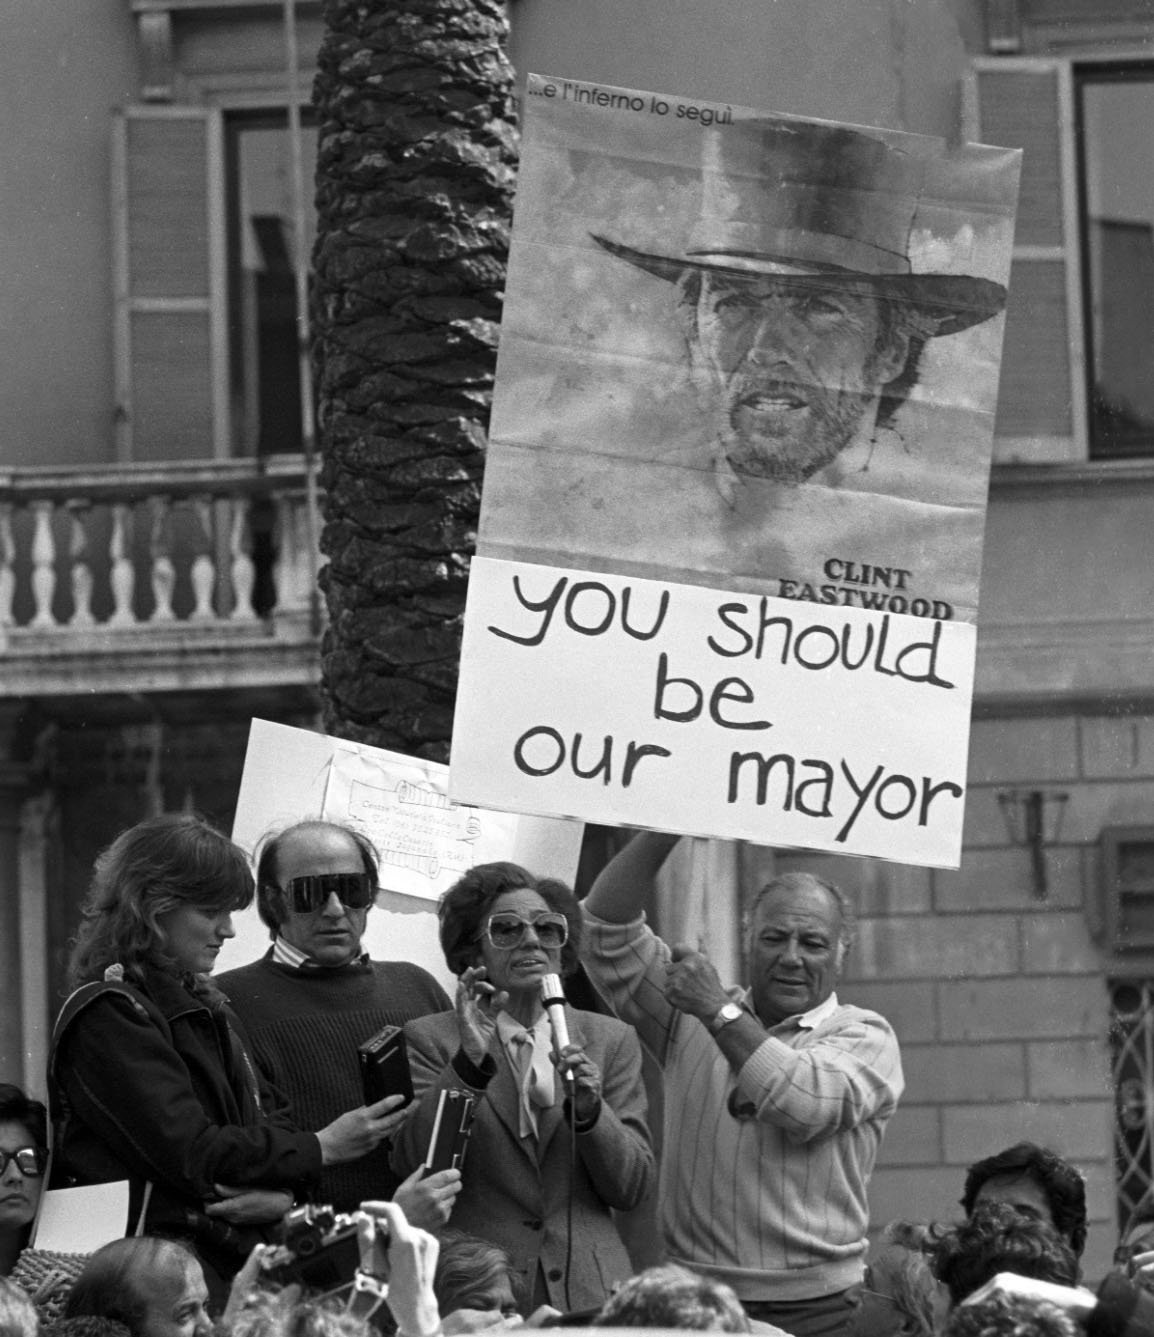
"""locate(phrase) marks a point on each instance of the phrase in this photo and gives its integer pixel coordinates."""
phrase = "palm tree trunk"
(415, 171)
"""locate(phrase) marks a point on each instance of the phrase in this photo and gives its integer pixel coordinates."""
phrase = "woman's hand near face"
(477, 1004)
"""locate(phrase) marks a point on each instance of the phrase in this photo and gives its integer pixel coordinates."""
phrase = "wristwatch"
(723, 1016)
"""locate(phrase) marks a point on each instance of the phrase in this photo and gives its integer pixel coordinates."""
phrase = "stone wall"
(1000, 999)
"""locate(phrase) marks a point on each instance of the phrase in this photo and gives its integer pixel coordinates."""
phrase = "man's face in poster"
(794, 371)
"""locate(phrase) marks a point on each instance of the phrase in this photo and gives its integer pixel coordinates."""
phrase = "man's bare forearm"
(625, 883)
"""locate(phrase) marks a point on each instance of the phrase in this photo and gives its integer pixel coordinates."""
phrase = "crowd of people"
(234, 1108)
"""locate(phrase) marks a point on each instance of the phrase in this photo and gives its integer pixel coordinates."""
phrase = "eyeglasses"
(355, 891)
(30, 1161)
(508, 930)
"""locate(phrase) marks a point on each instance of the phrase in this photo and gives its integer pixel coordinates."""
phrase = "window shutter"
(168, 235)
(1028, 103)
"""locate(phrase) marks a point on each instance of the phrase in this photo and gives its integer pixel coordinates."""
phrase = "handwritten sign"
(749, 366)
(712, 712)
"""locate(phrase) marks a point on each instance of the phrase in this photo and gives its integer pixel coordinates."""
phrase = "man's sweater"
(305, 1026)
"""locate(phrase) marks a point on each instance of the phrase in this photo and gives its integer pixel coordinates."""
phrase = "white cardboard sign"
(424, 839)
(744, 716)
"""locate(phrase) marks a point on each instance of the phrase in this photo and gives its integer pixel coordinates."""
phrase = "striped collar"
(285, 954)
(805, 1021)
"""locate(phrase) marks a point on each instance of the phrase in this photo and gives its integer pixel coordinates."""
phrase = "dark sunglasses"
(355, 891)
(509, 930)
(29, 1161)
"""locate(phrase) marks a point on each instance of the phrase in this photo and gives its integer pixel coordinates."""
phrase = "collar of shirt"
(285, 954)
(541, 1092)
(805, 1021)
(508, 1027)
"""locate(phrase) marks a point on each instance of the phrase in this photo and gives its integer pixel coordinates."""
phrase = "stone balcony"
(157, 577)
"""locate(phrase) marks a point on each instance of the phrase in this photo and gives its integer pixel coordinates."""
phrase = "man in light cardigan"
(776, 1097)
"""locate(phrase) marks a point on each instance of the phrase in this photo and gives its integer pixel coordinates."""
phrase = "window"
(1077, 377)
(264, 371)
(206, 342)
(1116, 141)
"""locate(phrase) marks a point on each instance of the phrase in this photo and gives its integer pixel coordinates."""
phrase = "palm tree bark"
(416, 157)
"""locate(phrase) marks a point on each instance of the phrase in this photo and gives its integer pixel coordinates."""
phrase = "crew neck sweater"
(305, 1026)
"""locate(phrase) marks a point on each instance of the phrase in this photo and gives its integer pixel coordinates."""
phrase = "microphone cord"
(569, 1204)
(553, 997)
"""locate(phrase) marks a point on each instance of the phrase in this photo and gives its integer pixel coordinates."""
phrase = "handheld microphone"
(553, 998)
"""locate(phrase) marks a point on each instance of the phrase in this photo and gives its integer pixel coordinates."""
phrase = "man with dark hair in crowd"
(999, 1238)
(315, 996)
(1038, 1182)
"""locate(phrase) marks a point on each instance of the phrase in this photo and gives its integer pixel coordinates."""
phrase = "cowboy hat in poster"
(728, 562)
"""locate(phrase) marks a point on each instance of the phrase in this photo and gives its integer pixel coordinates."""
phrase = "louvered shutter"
(1027, 103)
(168, 233)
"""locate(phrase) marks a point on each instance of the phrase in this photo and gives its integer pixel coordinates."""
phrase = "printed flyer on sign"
(746, 352)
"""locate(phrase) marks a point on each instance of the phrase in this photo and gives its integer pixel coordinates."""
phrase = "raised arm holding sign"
(776, 1097)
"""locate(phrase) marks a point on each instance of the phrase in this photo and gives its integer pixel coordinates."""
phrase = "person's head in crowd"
(162, 894)
(670, 1296)
(86, 1325)
(1005, 1315)
(18, 1317)
(155, 1287)
(315, 882)
(1038, 1182)
(23, 1159)
(282, 1314)
(999, 1238)
(487, 917)
(473, 1274)
(797, 933)
(899, 1293)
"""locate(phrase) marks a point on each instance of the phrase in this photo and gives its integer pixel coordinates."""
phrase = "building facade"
(157, 524)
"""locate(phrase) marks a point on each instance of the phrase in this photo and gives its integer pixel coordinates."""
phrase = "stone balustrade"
(174, 571)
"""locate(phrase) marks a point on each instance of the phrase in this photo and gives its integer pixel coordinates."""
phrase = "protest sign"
(424, 840)
(742, 716)
(750, 353)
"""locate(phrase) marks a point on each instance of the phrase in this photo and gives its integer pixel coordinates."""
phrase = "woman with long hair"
(150, 1077)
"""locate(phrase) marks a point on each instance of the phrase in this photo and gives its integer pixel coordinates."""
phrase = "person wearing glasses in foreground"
(23, 1157)
(555, 1147)
(315, 996)
(150, 1077)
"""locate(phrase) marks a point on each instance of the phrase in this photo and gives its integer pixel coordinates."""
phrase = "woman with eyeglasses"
(23, 1157)
(150, 1074)
(559, 1141)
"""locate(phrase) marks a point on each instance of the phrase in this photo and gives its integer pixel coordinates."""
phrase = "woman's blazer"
(524, 1195)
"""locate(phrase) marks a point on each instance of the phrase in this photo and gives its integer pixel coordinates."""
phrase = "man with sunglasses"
(315, 996)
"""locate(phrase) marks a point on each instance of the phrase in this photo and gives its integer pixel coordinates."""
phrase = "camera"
(319, 1249)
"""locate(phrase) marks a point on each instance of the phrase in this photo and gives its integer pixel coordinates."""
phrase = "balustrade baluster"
(43, 565)
(7, 558)
(202, 572)
(122, 577)
(292, 593)
(242, 569)
(79, 515)
(160, 549)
